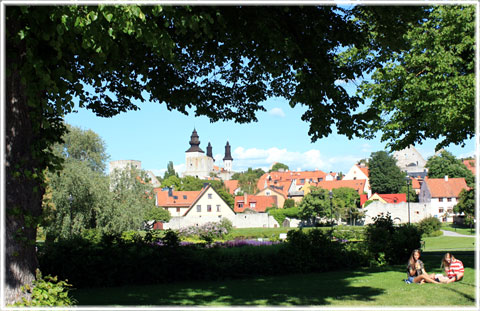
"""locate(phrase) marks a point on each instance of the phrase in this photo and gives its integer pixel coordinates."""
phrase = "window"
(252, 205)
(185, 197)
(175, 197)
(440, 199)
(209, 208)
(440, 210)
(450, 210)
(320, 179)
(302, 181)
(449, 199)
(267, 192)
(240, 205)
(218, 208)
(178, 209)
(210, 195)
(199, 208)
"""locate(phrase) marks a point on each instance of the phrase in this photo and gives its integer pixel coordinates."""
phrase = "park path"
(452, 233)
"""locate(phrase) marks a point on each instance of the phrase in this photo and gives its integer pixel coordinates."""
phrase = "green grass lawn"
(363, 287)
(461, 230)
(448, 243)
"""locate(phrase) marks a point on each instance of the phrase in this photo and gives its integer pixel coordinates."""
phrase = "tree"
(157, 214)
(170, 171)
(427, 88)
(212, 61)
(279, 166)
(346, 202)
(316, 204)
(446, 164)
(466, 205)
(131, 200)
(78, 192)
(384, 174)
(248, 181)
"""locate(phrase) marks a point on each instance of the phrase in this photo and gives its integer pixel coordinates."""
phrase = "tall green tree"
(446, 164)
(248, 181)
(80, 190)
(425, 89)
(132, 199)
(170, 171)
(384, 174)
(316, 204)
(346, 202)
(466, 205)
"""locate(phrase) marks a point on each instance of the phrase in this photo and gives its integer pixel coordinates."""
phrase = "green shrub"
(429, 225)
(171, 238)
(434, 234)
(289, 203)
(46, 291)
(389, 244)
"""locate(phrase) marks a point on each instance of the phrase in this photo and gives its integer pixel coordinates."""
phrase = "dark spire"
(209, 151)
(228, 155)
(194, 143)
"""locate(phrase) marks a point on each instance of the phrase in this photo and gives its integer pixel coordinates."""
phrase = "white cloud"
(306, 161)
(277, 112)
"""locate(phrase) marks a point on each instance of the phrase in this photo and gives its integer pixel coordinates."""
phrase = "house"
(359, 172)
(195, 207)
(232, 186)
(389, 198)
(443, 195)
(271, 191)
(275, 178)
(257, 203)
(415, 183)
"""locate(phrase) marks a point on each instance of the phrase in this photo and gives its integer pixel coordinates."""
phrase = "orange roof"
(178, 198)
(470, 164)
(415, 183)
(231, 185)
(262, 202)
(363, 199)
(289, 176)
(357, 184)
(394, 198)
(440, 188)
(364, 169)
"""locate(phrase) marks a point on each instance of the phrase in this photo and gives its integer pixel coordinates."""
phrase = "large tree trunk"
(23, 192)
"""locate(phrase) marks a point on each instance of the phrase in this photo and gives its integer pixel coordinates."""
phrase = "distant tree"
(173, 181)
(446, 164)
(131, 199)
(315, 204)
(346, 202)
(384, 174)
(279, 166)
(191, 183)
(411, 196)
(170, 171)
(363, 162)
(289, 203)
(247, 180)
(466, 205)
(158, 214)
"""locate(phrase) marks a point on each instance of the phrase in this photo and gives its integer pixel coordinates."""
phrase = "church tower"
(196, 163)
(227, 160)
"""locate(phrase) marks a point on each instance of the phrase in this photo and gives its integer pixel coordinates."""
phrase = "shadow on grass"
(308, 289)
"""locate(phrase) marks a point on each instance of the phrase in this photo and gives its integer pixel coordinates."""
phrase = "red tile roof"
(470, 164)
(178, 198)
(394, 198)
(357, 184)
(231, 185)
(363, 199)
(440, 188)
(281, 178)
(415, 184)
(364, 169)
(262, 202)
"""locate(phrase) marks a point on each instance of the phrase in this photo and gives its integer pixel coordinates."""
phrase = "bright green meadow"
(381, 286)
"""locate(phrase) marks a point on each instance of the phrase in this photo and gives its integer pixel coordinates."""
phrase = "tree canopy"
(384, 174)
(445, 164)
(278, 166)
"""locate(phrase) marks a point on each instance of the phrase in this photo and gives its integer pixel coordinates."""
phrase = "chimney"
(170, 191)
(245, 197)
(446, 178)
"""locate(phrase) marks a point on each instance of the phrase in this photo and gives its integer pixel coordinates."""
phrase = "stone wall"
(398, 212)
(260, 220)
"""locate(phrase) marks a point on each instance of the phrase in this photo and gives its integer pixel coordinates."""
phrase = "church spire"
(209, 151)
(194, 142)
(228, 155)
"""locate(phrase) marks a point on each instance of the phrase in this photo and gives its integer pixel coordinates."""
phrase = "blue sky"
(155, 136)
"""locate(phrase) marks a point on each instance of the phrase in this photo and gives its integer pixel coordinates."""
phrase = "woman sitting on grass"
(453, 268)
(416, 271)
